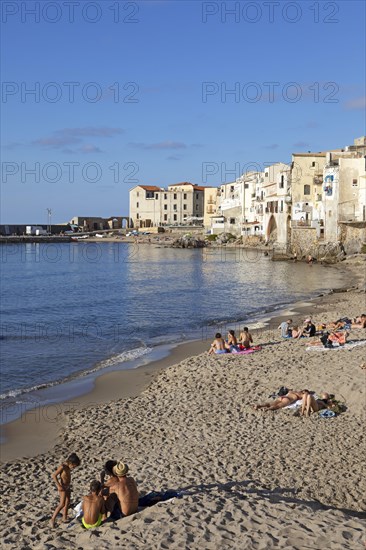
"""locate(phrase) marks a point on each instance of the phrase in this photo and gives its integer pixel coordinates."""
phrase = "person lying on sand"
(246, 338)
(93, 507)
(310, 404)
(329, 338)
(218, 345)
(122, 489)
(282, 401)
(62, 478)
(359, 322)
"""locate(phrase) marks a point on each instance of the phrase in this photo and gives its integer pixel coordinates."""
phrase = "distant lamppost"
(49, 212)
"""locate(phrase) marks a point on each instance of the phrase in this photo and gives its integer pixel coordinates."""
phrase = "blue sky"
(131, 93)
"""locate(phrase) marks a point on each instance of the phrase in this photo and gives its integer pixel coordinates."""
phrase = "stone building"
(179, 204)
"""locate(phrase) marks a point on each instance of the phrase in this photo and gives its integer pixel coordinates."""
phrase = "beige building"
(178, 204)
(211, 204)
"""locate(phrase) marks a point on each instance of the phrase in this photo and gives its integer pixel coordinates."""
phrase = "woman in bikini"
(283, 401)
(310, 404)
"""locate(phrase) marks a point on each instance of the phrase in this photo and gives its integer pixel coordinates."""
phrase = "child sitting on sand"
(93, 507)
(62, 478)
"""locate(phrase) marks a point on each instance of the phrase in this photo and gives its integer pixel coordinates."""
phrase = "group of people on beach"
(232, 344)
(117, 496)
(335, 332)
(309, 402)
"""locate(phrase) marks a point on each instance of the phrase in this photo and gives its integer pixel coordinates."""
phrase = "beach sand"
(251, 479)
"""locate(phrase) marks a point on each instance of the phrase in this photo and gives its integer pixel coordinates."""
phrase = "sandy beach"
(250, 479)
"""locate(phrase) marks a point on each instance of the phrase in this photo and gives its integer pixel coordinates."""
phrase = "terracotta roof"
(150, 187)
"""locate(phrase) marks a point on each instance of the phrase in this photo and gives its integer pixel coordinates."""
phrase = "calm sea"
(72, 309)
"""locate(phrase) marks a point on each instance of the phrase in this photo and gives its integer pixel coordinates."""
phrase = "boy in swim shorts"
(93, 507)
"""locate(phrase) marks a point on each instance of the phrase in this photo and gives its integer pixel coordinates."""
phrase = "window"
(175, 207)
(313, 164)
(306, 189)
(246, 185)
(231, 189)
(197, 196)
(165, 207)
(165, 217)
(137, 194)
(137, 205)
(354, 183)
(156, 195)
(196, 206)
(184, 216)
(175, 217)
(184, 207)
(175, 196)
(165, 196)
(149, 195)
(185, 196)
(137, 216)
(281, 206)
(282, 182)
(266, 174)
(232, 221)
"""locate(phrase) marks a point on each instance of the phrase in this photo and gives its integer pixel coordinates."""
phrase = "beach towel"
(326, 413)
(336, 346)
(154, 497)
(246, 351)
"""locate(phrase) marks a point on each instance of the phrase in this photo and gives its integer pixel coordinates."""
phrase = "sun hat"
(120, 469)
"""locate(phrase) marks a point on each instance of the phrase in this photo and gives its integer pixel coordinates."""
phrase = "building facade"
(178, 204)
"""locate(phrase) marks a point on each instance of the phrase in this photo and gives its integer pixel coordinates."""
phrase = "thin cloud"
(357, 104)
(89, 148)
(13, 145)
(90, 131)
(73, 136)
(301, 144)
(163, 145)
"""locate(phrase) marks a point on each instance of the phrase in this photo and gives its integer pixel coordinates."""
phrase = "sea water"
(72, 310)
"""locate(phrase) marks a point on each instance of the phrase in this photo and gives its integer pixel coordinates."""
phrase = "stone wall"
(304, 242)
(353, 236)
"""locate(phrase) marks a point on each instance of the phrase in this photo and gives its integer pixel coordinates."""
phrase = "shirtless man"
(122, 489)
(246, 338)
(282, 401)
(93, 507)
(218, 345)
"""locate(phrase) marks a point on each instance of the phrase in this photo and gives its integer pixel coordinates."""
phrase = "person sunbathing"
(329, 338)
(218, 345)
(282, 401)
(246, 338)
(310, 404)
(232, 343)
(359, 322)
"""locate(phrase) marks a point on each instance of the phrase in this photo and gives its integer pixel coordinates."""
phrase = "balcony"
(272, 210)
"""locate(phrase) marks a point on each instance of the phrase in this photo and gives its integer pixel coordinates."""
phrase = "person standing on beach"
(62, 478)
(122, 489)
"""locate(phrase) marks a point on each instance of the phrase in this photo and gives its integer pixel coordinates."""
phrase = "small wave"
(117, 359)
